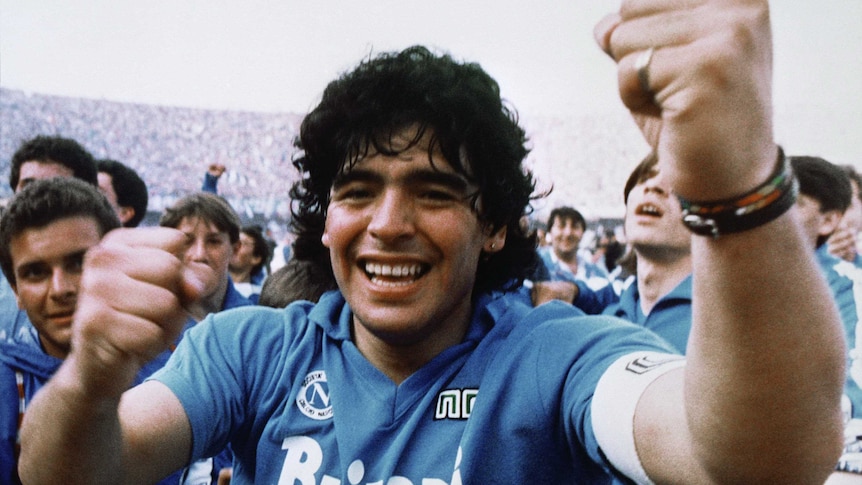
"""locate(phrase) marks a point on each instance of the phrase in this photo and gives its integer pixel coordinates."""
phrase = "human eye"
(440, 188)
(356, 186)
(440, 194)
(75, 263)
(353, 192)
(33, 272)
(216, 240)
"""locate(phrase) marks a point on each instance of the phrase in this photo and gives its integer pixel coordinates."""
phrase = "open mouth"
(648, 210)
(394, 274)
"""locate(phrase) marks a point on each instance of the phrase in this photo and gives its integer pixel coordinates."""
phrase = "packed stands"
(585, 159)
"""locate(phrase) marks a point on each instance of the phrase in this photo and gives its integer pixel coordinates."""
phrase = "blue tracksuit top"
(670, 317)
(845, 281)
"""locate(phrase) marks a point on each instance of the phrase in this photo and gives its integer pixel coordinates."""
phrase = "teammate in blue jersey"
(212, 230)
(825, 193)
(566, 274)
(659, 298)
(39, 158)
(44, 233)
(428, 366)
(843, 242)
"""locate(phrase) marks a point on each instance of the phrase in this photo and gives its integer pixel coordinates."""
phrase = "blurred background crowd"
(583, 160)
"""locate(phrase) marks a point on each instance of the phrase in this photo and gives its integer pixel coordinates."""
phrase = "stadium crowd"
(170, 148)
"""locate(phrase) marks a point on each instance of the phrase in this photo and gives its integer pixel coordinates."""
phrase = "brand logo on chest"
(455, 403)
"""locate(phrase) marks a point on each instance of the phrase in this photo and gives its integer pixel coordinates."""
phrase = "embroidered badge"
(313, 398)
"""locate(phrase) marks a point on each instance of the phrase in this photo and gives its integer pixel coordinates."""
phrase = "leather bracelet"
(761, 205)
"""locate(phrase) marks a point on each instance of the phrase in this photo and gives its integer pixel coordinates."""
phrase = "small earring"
(493, 246)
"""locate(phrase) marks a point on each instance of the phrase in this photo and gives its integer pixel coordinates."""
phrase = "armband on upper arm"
(615, 400)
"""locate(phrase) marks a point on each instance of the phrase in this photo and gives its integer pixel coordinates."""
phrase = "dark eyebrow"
(30, 265)
(354, 175)
(452, 180)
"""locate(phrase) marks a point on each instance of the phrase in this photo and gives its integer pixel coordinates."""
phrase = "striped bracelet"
(763, 204)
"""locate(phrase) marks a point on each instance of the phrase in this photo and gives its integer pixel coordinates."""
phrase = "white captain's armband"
(614, 402)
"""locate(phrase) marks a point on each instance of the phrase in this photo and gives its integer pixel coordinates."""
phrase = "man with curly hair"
(430, 365)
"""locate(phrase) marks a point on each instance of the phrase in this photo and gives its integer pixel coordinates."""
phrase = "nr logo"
(455, 403)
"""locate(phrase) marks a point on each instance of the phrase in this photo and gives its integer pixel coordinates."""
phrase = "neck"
(211, 303)
(240, 276)
(570, 258)
(657, 277)
(400, 356)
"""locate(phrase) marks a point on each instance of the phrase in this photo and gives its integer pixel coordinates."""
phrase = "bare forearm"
(70, 435)
(766, 355)
(140, 437)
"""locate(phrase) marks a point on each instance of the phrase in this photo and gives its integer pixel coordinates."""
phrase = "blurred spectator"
(568, 272)
(51, 156)
(247, 267)
(844, 242)
(212, 228)
(125, 190)
(297, 280)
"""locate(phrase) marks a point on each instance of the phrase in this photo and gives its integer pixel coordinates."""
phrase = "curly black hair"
(459, 106)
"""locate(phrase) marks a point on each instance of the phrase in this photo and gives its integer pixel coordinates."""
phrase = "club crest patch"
(313, 398)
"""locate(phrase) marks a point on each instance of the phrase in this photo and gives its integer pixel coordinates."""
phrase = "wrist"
(764, 203)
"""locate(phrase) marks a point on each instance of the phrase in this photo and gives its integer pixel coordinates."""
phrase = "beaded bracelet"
(756, 208)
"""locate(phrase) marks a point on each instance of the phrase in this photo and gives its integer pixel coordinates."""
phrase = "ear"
(495, 241)
(325, 239)
(125, 214)
(829, 222)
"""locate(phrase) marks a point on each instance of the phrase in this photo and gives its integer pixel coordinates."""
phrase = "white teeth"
(397, 271)
(649, 209)
(390, 284)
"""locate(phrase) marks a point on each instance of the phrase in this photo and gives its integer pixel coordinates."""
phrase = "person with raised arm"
(429, 364)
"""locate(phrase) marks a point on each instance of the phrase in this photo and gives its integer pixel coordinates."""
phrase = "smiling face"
(405, 243)
(47, 262)
(653, 222)
(244, 258)
(566, 234)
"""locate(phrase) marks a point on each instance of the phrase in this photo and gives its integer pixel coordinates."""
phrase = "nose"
(655, 185)
(64, 284)
(196, 251)
(393, 216)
